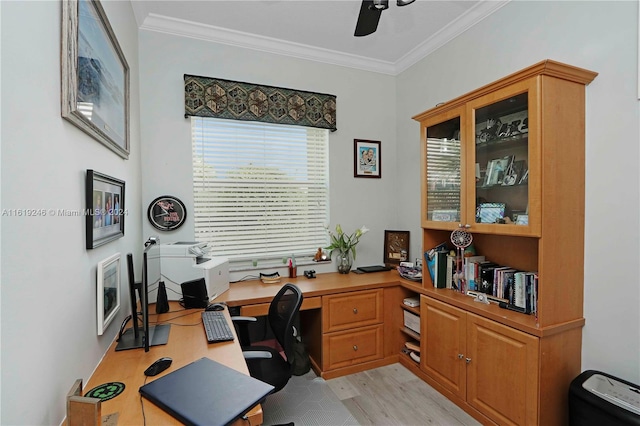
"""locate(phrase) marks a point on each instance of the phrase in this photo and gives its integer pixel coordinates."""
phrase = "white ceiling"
(319, 30)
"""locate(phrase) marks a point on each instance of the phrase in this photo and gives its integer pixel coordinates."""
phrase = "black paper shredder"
(597, 398)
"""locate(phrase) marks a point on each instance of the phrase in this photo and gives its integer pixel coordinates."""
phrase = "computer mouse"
(215, 307)
(158, 366)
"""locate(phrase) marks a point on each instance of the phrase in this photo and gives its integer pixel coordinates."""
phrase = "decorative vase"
(344, 261)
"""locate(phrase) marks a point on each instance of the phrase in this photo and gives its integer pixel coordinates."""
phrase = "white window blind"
(261, 191)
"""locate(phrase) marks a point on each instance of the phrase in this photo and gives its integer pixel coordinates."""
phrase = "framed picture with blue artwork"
(95, 75)
(367, 162)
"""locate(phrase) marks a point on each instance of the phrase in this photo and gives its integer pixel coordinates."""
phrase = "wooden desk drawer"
(260, 309)
(346, 311)
(345, 348)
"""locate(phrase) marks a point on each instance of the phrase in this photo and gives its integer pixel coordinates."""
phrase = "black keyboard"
(216, 327)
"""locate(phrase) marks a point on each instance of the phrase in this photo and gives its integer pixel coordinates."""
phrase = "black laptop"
(206, 392)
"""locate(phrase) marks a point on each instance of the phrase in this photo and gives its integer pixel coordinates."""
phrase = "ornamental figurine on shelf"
(345, 245)
(320, 255)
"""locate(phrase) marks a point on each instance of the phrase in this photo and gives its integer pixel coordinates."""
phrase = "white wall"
(365, 110)
(49, 333)
(599, 36)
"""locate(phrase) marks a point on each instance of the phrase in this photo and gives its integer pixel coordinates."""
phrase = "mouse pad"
(106, 391)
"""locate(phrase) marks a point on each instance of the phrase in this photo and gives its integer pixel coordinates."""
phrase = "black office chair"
(265, 363)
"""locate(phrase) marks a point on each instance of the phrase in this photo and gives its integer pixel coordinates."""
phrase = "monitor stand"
(159, 335)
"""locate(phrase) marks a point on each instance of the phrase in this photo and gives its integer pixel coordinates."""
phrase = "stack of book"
(517, 290)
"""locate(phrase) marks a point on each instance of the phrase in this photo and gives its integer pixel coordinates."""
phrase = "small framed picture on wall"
(367, 161)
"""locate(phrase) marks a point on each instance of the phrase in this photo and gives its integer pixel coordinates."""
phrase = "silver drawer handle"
(460, 356)
(468, 360)
(355, 310)
(355, 347)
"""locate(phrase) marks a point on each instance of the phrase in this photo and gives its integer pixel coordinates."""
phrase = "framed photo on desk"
(396, 247)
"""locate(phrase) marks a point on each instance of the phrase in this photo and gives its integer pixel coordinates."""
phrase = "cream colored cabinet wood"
(507, 161)
(491, 367)
(352, 328)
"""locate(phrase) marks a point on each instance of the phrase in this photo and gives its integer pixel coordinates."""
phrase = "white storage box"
(412, 321)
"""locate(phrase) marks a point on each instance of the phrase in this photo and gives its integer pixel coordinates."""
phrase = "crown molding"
(184, 28)
(179, 27)
(458, 26)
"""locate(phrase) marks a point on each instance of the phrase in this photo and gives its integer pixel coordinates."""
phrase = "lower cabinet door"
(443, 344)
(345, 348)
(502, 372)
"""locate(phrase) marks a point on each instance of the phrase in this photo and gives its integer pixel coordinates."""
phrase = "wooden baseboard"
(332, 374)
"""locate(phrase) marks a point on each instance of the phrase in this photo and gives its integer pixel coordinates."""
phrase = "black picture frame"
(167, 213)
(105, 212)
(95, 75)
(367, 159)
(396, 247)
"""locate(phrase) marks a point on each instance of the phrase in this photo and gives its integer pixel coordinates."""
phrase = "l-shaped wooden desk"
(354, 322)
(187, 341)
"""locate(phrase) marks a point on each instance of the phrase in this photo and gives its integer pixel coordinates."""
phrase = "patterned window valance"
(214, 97)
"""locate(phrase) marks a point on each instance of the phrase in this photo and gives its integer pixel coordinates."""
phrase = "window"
(261, 191)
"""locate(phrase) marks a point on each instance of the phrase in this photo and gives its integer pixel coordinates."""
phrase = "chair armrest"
(243, 320)
(242, 324)
(257, 354)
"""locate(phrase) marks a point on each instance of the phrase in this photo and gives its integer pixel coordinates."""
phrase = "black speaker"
(162, 303)
(194, 294)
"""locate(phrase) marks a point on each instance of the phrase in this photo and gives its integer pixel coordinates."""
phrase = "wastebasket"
(597, 398)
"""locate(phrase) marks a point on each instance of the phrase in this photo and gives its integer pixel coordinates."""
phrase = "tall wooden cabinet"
(507, 162)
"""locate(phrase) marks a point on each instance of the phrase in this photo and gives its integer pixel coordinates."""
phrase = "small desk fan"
(461, 239)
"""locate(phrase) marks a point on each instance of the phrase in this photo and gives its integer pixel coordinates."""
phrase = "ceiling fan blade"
(367, 19)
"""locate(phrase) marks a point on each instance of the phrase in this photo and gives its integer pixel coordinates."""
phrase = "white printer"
(186, 261)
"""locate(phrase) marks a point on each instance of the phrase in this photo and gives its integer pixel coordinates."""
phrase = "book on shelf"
(485, 276)
(519, 291)
(471, 270)
(430, 259)
(441, 269)
(451, 270)
(523, 294)
(498, 280)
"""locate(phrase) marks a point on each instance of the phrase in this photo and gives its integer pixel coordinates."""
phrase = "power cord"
(144, 418)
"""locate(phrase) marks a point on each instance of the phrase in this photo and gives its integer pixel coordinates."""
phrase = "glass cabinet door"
(501, 162)
(442, 174)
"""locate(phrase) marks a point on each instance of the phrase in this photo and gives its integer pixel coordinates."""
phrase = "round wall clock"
(167, 213)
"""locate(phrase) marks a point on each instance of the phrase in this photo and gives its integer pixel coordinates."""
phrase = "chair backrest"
(283, 311)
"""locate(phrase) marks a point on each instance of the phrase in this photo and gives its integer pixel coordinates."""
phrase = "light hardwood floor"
(392, 395)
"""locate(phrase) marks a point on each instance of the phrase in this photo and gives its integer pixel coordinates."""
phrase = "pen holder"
(293, 271)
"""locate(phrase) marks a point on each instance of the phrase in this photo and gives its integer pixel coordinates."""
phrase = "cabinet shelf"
(410, 333)
(504, 142)
(503, 187)
(415, 310)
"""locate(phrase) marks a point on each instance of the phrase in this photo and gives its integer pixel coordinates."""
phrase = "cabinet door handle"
(468, 360)
(355, 347)
(355, 310)
(460, 356)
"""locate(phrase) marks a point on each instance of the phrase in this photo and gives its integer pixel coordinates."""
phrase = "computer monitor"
(143, 335)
